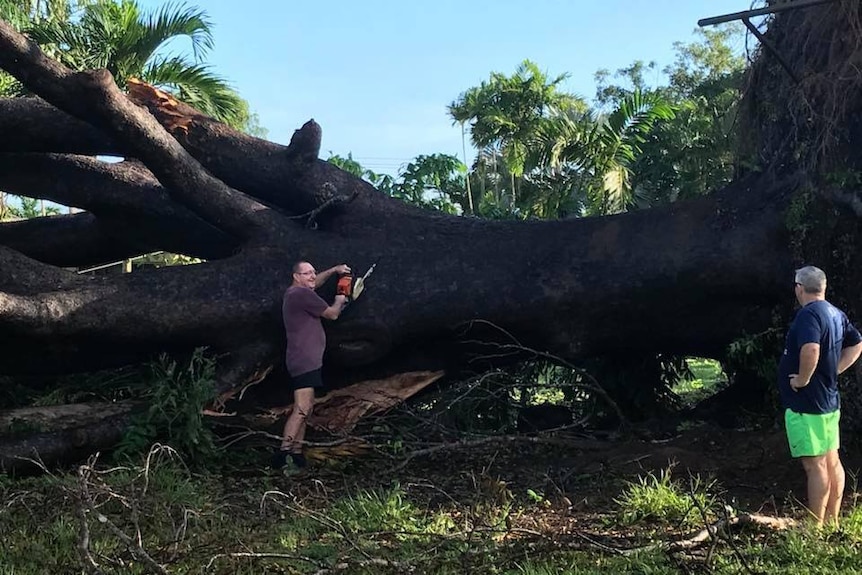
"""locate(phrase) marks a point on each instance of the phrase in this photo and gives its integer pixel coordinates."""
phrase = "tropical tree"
(504, 113)
(696, 151)
(598, 152)
(435, 181)
(21, 14)
(382, 182)
(129, 42)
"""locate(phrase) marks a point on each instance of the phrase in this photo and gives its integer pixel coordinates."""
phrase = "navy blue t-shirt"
(823, 323)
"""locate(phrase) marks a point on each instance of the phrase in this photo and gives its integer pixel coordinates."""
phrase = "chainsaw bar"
(359, 285)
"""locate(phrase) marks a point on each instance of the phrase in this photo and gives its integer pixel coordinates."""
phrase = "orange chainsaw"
(347, 287)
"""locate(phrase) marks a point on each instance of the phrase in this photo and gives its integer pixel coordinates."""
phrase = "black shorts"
(309, 379)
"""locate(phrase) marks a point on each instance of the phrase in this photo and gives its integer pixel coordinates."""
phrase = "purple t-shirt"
(306, 339)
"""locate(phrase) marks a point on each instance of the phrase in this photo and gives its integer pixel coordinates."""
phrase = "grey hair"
(812, 279)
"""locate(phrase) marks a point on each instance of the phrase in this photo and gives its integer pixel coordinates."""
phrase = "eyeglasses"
(308, 273)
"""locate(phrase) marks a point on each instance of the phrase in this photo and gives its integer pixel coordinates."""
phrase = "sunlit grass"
(658, 498)
(707, 379)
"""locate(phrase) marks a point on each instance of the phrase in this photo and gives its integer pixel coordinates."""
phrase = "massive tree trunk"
(686, 278)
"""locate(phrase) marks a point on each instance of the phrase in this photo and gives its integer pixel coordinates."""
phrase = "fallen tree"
(687, 278)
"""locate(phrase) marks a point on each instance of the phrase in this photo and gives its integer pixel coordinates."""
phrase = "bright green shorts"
(811, 434)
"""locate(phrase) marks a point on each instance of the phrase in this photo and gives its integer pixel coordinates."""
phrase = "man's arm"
(808, 357)
(326, 274)
(333, 311)
(849, 355)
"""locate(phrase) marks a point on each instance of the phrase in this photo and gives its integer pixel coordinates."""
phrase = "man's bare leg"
(836, 486)
(294, 427)
(817, 471)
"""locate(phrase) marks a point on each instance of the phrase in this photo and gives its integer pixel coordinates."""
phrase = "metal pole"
(788, 5)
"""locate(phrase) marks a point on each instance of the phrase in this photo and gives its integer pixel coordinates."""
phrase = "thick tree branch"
(66, 432)
(94, 97)
(23, 275)
(125, 195)
(34, 125)
(283, 176)
(69, 240)
(289, 177)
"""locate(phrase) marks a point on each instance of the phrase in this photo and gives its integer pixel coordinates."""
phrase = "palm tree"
(120, 37)
(598, 151)
(505, 112)
(20, 14)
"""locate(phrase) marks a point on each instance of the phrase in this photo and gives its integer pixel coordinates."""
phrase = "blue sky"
(378, 74)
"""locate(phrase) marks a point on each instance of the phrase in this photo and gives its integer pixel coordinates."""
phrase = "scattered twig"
(133, 545)
(84, 540)
(344, 565)
(591, 384)
(333, 200)
(776, 523)
(466, 444)
(250, 555)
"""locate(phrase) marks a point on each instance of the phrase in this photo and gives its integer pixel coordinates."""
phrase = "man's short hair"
(297, 265)
(812, 279)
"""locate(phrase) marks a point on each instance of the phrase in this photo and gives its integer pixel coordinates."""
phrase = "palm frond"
(177, 19)
(197, 86)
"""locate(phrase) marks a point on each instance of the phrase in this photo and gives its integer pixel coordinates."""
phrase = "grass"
(707, 379)
(657, 499)
(194, 523)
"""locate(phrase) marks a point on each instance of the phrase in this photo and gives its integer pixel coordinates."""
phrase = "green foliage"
(176, 395)
(643, 563)
(641, 385)
(380, 510)
(504, 114)
(694, 152)
(165, 259)
(757, 354)
(156, 495)
(707, 378)
(16, 208)
(798, 218)
(348, 164)
(599, 150)
(808, 550)
(544, 153)
(505, 111)
(436, 181)
(658, 498)
(235, 524)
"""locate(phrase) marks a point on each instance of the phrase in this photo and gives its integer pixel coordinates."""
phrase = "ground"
(558, 503)
(753, 468)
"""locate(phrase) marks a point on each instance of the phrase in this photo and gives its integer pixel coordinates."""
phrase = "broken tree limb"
(711, 531)
(59, 433)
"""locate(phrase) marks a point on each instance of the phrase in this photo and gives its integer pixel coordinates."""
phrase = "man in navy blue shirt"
(821, 344)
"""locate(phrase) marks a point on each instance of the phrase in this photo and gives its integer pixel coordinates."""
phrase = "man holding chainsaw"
(302, 310)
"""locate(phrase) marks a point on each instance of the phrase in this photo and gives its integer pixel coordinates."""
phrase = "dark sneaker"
(290, 467)
(279, 458)
(289, 463)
